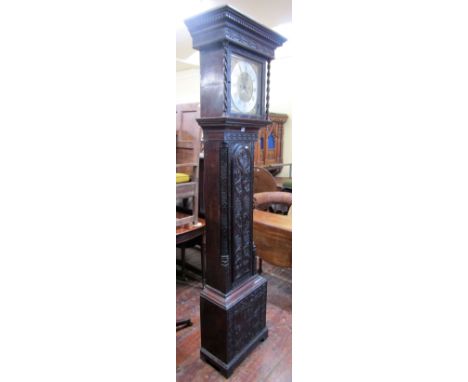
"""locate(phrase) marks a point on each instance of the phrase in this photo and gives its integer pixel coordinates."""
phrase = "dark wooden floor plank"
(282, 372)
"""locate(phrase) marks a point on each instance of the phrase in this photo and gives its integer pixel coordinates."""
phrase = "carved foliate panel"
(224, 203)
(246, 320)
(241, 210)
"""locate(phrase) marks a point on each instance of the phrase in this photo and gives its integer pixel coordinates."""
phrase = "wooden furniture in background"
(264, 200)
(277, 202)
(273, 238)
(269, 145)
(188, 141)
(283, 183)
(201, 194)
(186, 119)
(188, 236)
(264, 181)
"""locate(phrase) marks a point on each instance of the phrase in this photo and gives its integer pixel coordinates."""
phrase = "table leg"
(202, 252)
(182, 254)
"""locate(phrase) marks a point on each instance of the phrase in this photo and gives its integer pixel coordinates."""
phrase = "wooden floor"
(270, 361)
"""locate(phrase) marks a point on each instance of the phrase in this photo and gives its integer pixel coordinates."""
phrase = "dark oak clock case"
(233, 301)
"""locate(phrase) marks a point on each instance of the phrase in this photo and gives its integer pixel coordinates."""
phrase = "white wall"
(188, 90)
(281, 101)
(188, 86)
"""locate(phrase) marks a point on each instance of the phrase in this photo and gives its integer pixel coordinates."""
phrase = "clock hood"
(227, 24)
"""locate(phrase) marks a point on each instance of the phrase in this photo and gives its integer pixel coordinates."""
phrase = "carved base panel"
(227, 369)
(232, 326)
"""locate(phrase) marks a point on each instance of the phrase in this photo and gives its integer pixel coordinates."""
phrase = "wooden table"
(188, 232)
(273, 237)
(188, 236)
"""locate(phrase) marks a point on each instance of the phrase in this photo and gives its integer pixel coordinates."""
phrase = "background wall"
(188, 86)
(188, 90)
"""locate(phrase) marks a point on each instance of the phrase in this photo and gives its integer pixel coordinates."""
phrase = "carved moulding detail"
(224, 201)
(241, 197)
(249, 42)
(229, 18)
(241, 136)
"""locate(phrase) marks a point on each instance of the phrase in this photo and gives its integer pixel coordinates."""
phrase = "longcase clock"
(235, 55)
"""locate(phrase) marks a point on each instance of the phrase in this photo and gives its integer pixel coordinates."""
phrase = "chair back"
(188, 137)
(263, 181)
(277, 200)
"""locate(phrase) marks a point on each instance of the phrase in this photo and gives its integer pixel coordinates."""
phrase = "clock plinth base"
(227, 369)
(232, 325)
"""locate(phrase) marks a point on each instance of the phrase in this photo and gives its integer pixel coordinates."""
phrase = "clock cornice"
(227, 24)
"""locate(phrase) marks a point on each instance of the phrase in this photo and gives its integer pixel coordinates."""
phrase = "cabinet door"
(272, 143)
(274, 148)
(269, 146)
(260, 148)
